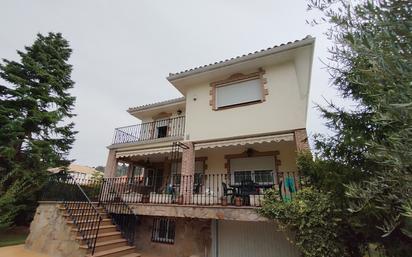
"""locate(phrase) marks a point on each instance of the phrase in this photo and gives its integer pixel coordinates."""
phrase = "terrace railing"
(163, 128)
(205, 189)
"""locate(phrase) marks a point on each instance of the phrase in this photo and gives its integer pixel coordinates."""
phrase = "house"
(198, 165)
(77, 171)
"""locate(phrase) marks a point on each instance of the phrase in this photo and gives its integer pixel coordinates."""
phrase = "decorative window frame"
(238, 77)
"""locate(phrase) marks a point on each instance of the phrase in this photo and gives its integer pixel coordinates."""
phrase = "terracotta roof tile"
(147, 106)
(234, 58)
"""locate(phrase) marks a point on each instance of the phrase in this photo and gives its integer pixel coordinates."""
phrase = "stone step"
(102, 237)
(107, 245)
(115, 252)
(109, 241)
(99, 209)
(102, 229)
(103, 215)
(104, 222)
(82, 202)
(135, 254)
(79, 213)
(79, 205)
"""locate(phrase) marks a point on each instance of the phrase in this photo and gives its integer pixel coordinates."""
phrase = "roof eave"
(149, 107)
(278, 49)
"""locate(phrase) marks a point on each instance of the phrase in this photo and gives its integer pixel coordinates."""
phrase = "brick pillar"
(111, 164)
(188, 171)
(301, 140)
(302, 144)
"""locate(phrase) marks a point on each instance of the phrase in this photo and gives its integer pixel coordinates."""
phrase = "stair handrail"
(111, 206)
(84, 227)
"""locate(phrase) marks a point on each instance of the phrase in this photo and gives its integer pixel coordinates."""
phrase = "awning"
(143, 152)
(246, 141)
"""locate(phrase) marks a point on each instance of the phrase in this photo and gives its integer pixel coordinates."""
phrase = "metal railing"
(163, 128)
(59, 188)
(238, 189)
(120, 213)
(79, 207)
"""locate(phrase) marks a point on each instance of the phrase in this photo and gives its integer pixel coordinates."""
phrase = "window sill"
(238, 105)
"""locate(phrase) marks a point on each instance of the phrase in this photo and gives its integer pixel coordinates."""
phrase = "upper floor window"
(238, 89)
(236, 93)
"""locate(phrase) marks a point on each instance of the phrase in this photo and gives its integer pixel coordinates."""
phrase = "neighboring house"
(198, 165)
(77, 171)
(196, 168)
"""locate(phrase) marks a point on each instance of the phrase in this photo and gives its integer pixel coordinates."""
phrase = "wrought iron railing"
(78, 205)
(163, 128)
(238, 189)
(120, 213)
(59, 188)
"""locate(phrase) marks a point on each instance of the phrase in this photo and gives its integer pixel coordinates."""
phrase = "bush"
(313, 217)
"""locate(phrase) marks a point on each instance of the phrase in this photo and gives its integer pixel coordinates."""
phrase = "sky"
(124, 50)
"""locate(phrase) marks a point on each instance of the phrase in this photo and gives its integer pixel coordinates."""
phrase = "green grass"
(13, 236)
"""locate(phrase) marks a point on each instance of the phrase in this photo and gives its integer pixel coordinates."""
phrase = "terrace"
(210, 196)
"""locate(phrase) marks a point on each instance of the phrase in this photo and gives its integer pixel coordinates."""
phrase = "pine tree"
(361, 177)
(35, 128)
(371, 64)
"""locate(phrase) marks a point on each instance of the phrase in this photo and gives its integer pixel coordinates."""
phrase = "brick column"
(302, 144)
(301, 140)
(188, 171)
(111, 164)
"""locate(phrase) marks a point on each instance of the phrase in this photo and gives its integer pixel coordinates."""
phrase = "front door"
(154, 179)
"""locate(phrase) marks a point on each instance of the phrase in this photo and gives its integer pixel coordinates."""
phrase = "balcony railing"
(203, 189)
(199, 189)
(164, 128)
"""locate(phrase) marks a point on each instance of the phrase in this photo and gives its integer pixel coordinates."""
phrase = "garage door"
(251, 239)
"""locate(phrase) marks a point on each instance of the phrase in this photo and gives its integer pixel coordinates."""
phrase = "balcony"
(164, 128)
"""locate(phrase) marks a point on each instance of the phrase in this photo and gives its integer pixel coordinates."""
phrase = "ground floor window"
(163, 230)
(257, 176)
(257, 169)
(242, 176)
(263, 176)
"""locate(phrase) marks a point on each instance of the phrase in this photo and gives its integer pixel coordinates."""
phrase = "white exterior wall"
(247, 239)
(284, 109)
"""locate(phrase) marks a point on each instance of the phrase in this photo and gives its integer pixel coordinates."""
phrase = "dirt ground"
(18, 251)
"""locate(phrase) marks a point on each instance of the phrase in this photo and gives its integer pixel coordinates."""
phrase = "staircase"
(106, 239)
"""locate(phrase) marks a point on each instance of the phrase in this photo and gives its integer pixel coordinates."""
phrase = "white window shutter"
(238, 93)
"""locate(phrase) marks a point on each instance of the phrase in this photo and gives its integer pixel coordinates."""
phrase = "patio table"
(237, 187)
